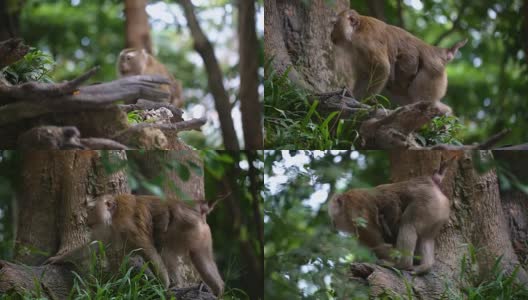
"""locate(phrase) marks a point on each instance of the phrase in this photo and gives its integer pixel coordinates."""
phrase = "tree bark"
(214, 76)
(297, 36)
(514, 200)
(10, 19)
(137, 29)
(377, 9)
(249, 98)
(477, 218)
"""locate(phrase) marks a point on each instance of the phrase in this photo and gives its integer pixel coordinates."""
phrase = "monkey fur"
(163, 230)
(133, 61)
(380, 56)
(408, 215)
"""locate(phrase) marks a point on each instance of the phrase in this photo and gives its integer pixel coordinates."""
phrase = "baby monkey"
(409, 214)
(134, 61)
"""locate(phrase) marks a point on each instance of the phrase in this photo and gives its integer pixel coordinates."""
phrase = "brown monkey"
(133, 61)
(385, 56)
(128, 223)
(408, 214)
(163, 229)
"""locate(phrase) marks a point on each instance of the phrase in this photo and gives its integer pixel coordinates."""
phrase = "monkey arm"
(373, 238)
(75, 255)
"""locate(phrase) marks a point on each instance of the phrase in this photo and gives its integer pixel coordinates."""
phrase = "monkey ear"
(354, 21)
(340, 201)
(110, 205)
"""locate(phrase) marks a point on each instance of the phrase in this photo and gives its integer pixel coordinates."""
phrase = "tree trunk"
(215, 78)
(249, 97)
(52, 193)
(515, 201)
(9, 19)
(377, 9)
(137, 29)
(476, 218)
(297, 35)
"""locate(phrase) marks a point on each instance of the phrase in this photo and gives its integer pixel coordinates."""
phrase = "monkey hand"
(385, 263)
(54, 260)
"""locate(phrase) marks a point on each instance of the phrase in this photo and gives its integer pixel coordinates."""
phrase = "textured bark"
(215, 78)
(297, 35)
(10, 18)
(515, 201)
(53, 191)
(476, 218)
(250, 105)
(137, 29)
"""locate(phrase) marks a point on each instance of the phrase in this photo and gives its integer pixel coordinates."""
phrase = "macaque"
(127, 223)
(385, 56)
(133, 61)
(163, 230)
(407, 214)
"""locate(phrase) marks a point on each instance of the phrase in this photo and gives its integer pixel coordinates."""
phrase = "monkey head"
(348, 22)
(347, 209)
(132, 62)
(101, 210)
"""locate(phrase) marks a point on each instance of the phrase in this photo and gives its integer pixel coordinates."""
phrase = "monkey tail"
(438, 175)
(452, 51)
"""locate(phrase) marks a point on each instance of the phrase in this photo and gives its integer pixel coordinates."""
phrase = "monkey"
(407, 214)
(134, 61)
(127, 223)
(385, 56)
(162, 229)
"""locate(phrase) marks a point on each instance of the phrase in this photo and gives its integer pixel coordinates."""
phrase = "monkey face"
(131, 62)
(100, 211)
(347, 23)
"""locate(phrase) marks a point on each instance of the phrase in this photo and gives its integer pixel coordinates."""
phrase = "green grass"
(128, 282)
(292, 121)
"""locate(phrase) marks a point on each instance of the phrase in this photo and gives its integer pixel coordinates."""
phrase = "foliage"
(129, 282)
(34, 66)
(304, 258)
(497, 284)
(134, 117)
(292, 122)
(441, 130)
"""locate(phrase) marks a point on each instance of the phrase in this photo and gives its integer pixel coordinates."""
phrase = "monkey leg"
(152, 255)
(370, 82)
(406, 243)
(170, 259)
(426, 250)
(203, 262)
